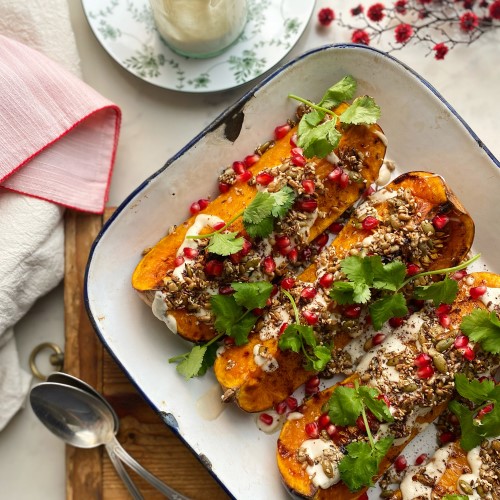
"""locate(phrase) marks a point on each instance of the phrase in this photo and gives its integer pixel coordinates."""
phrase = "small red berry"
(194, 208)
(468, 353)
(376, 12)
(321, 240)
(299, 160)
(264, 178)
(283, 327)
(269, 264)
(444, 320)
(214, 267)
(395, 322)
(326, 16)
(344, 180)
(218, 225)
(293, 256)
(421, 360)
(292, 403)
(245, 176)
(313, 382)
(484, 411)
(332, 430)
(385, 399)
(443, 309)
(226, 290)
(477, 291)
(378, 338)
(178, 261)
(361, 37)
(308, 206)
(239, 167)
(293, 140)
(446, 437)
(335, 174)
(287, 283)
(280, 407)
(309, 186)
(223, 187)
(203, 203)
(309, 292)
(323, 420)
(336, 227)
(190, 253)
(440, 50)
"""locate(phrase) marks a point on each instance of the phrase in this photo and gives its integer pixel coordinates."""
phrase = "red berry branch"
(439, 24)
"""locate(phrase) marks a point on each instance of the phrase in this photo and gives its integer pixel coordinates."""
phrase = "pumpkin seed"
(427, 227)
(368, 344)
(440, 363)
(410, 387)
(480, 491)
(386, 493)
(444, 344)
(392, 361)
(264, 147)
(465, 487)
(496, 444)
(327, 468)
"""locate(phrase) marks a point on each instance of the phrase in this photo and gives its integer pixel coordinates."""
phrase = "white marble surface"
(156, 124)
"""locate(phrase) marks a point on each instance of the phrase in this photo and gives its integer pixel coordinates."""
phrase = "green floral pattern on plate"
(126, 30)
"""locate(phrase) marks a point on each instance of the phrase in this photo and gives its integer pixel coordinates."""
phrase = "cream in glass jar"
(199, 28)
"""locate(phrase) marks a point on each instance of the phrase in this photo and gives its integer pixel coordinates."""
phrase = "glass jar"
(199, 28)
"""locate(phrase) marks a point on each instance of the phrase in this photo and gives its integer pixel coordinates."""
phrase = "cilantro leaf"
(208, 358)
(242, 329)
(192, 364)
(389, 276)
(387, 307)
(225, 243)
(323, 355)
(490, 423)
(473, 390)
(261, 229)
(456, 497)
(378, 407)
(362, 110)
(252, 295)
(290, 340)
(345, 406)
(343, 90)
(283, 201)
(360, 269)
(319, 140)
(342, 292)
(362, 461)
(259, 208)
(483, 327)
(471, 434)
(441, 292)
(227, 312)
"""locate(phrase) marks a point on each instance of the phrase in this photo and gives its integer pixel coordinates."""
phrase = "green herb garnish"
(298, 338)
(483, 327)
(362, 461)
(456, 497)
(233, 317)
(473, 429)
(366, 274)
(319, 137)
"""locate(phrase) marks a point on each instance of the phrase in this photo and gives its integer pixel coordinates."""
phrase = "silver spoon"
(64, 378)
(84, 421)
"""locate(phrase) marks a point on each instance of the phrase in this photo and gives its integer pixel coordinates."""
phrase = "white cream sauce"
(266, 361)
(333, 158)
(270, 330)
(159, 308)
(273, 426)
(382, 137)
(475, 463)
(491, 299)
(314, 449)
(384, 175)
(209, 406)
(381, 196)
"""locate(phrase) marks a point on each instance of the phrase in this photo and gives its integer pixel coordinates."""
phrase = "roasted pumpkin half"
(177, 276)
(412, 372)
(416, 219)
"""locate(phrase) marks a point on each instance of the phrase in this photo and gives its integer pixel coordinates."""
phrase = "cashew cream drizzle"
(159, 308)
(381, 196)
(491, 299)
(314, 449)
(412, 488)
(266, 361)
(382, 137)
(209, 405)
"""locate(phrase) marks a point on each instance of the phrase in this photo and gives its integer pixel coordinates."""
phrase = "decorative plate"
(126, 30)
(420, 126)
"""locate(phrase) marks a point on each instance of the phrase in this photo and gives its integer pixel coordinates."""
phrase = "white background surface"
(156, 124)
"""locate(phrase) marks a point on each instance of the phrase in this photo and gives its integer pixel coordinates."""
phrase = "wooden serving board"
(89, 473)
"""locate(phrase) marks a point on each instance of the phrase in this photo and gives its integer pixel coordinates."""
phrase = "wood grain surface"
(89, 473)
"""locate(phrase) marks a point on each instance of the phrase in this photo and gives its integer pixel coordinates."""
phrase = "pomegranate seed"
(229, 340)
(378, 338)
(269, 264)
(190, 253)
(266, 419)
(293, 140)
(282, 241)
(251, 160)
(368, 191)
(336, 227)
(360, 424)
(299, 160)
(310, 317)
(235, 258)
(309, 186)
(321, 240)
(396, 322)
(306, 254)
(421, 459)
(364, 496)
(312, 430)
(308, 206)
(440, 221)
(412, 269)
(335, 174)
(444, 320)
(293, 256)
(326, 280)
(239, 167)
(203, 203)
(344, 180)
(258, 311)
(245, 176)
(484, 411)
(296, 151)
(422, 360)
(477, 291)
(453, 419)
(385, 399)
(446, 437)
(218, 225)
(457, 276)
(425, 372)
(467, 353)
(313, 382)
(287, 283)
(369, 223)
(323, 420)
(292, 403)
(443, 309)
(308, 292)
(283, 327)
(400, 463)
(264, 178)
(352, 311)
(247, 246)
(178, 261)
(281, 130)
(484, 377)
(461, 341)
(280, 407)
(194, 208)
(332, 430)
(226, 290)
(214, 267)
(223, 187)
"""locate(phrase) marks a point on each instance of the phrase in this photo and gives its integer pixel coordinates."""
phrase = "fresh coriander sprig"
(482, 394)
(362, 461)
(368, 273)
(319, 137)
(298, 338)
(233, 317)
(483, 327)
(258, 220)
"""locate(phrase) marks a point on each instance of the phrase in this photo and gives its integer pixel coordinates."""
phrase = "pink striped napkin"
(58, 136)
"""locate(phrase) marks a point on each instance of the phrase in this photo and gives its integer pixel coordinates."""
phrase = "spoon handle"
(122, 472)
(150, 478)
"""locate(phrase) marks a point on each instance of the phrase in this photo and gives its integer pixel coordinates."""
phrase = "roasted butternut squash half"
(416, 219)
(413, 372)
(178, 275)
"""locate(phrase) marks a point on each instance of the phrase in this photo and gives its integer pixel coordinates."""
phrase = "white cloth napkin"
(59, 145)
